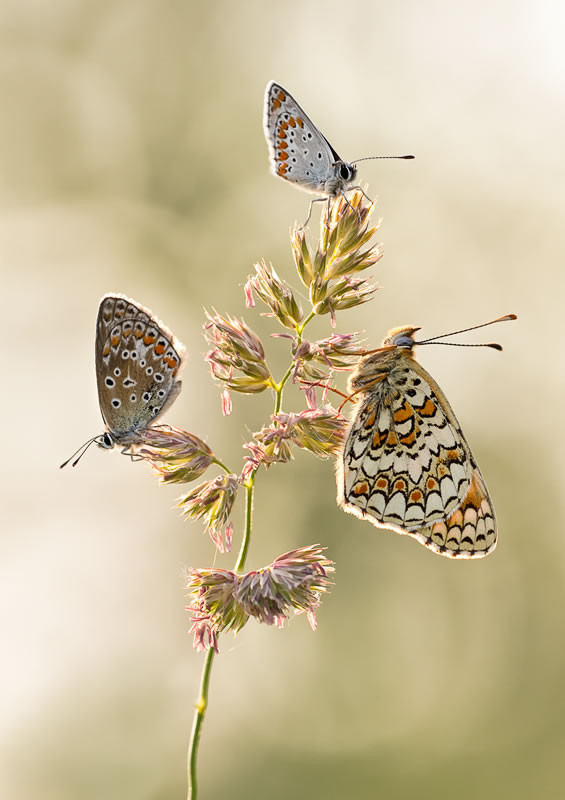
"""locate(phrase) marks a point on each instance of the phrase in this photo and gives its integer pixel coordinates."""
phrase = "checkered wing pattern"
(407, 466)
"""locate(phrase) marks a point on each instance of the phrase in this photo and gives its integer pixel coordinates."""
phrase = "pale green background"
(132, 159)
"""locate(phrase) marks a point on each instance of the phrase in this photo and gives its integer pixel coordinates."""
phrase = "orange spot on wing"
(282, 155)
(300, 122)
(370, 421)
(138, 333)
(292, 122)
(282, 169)
(474, 496)
(282, 145)
(403, 413)
(378, 439)
(416, 496)
(360, 488)
(115, 340)
(282, 134)
(106, 351)
(410, 438)
(276, 104)
(148, 339)
(282, 96)
(392, 439)
(400, 485)
(428, 409)
(159, 349)
(431, 484)
(382, 483)
(453, 455)
(284, 125)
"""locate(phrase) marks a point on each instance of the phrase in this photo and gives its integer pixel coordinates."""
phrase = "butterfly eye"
(345, 172)
(107, 441)
(404, 341)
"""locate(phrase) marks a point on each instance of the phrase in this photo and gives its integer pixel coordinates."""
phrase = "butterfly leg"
(325, 386)
(380, 377)
(365, 195)
(317, 200)
(126, 451)
(355, 210)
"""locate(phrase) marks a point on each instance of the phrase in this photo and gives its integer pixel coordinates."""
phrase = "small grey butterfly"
(300, 153)
(137, 361)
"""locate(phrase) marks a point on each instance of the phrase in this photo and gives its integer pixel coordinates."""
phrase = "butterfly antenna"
(374, 158)
(84, 447)
(494, 345)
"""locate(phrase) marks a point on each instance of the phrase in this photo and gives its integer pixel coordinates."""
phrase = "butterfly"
(406, 464)
(137, 362)
(300, 153)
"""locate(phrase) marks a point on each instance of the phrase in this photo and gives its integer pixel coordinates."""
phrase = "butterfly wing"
(406, 464)
(298, 151)
(137, 361)
(470, 532)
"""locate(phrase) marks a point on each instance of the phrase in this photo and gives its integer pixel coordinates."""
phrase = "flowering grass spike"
(212, 502)
(176, 455)
(236, 349)
(334, 272)
(222, 600)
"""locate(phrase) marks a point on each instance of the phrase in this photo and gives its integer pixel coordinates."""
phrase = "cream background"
(132, 159)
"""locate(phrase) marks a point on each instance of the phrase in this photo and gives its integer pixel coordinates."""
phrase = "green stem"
(240, 564)
(222, 465)
(202, 702)
(278, 387)
(300, 328)
(199, 714)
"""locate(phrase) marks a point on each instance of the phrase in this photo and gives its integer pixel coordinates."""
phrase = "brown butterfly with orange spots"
(406, 464)
(137, 364)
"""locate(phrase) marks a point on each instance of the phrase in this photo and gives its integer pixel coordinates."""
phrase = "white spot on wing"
(396, 506)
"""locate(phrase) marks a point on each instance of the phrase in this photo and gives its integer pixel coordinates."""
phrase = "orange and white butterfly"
(406, 464)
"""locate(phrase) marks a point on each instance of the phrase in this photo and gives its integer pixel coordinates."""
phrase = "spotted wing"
(137, 360)
(406, 464)
(298, 151)
(470, 532)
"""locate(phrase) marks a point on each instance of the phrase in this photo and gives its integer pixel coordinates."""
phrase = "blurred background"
(132, 159)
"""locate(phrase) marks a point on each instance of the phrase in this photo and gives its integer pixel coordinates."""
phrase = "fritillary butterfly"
(406, 464)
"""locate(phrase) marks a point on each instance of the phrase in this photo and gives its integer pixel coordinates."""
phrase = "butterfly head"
(106, 442)
(346, 173)
(383, 359)
(401, 337)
